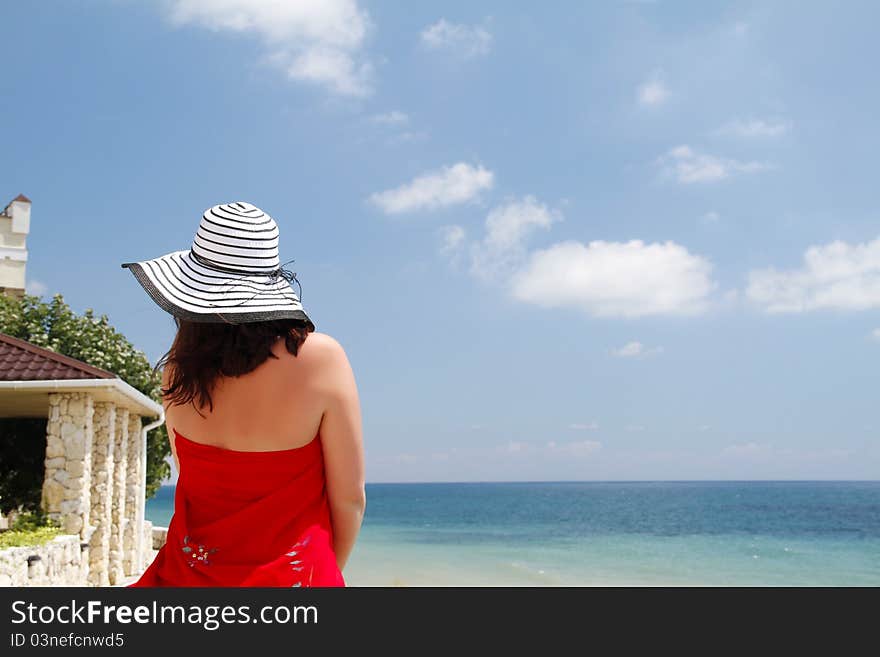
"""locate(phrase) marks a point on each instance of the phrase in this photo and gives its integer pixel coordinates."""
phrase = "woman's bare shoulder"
(323, 345)
(328, 357)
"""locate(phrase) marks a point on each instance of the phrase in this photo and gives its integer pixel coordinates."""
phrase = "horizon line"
(613, 481)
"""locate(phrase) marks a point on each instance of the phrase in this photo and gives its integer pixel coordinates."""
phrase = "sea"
(786, 533)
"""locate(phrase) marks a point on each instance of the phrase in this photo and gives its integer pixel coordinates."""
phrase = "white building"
(96, 458)
(15, 223)
(95, 467)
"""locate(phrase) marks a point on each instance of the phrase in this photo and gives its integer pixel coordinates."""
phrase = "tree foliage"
(91, 339)
(22, 461)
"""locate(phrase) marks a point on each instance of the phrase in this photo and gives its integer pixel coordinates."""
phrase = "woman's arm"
(343, 450)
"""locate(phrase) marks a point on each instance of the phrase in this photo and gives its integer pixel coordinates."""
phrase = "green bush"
(29, 529)
(91, 339)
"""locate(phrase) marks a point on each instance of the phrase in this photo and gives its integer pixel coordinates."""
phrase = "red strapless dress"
(247, 519)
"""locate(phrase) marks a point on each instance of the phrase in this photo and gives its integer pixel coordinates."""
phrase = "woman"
(262, 413)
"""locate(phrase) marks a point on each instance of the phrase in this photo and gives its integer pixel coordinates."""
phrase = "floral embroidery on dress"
(296, 564)
(196, 552)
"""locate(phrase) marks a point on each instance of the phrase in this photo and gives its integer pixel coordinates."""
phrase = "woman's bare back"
(283, 404)
(279, 405)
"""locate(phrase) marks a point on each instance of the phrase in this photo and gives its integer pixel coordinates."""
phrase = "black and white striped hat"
(231, 273)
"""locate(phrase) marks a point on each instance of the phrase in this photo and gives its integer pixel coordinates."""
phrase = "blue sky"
(612, 240)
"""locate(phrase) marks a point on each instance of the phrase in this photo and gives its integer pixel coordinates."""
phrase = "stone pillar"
(117, 505)
(102, 492)
(146, 545)
(134, 497)
(67, 482)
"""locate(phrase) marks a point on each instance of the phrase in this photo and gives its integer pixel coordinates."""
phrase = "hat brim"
(187, 289)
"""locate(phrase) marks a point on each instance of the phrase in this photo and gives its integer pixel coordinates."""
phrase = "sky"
(567, 241)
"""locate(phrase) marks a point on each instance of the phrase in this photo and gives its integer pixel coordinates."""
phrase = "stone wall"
(160, 536)
(94, 485)
(60, 562)
(104, 425)
(120, 469)
(147, 553)
(134, 495)
(67, 483)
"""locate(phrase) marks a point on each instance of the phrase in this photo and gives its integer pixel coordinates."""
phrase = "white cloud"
(629, 349)
(653, 92)
(875, 334)
(318, 41)
(755, 128)
(450, 185)
(711, 217)
(390, 118)
(622, 279)
(635, 349)
(605, 279)
(37, 288)
(837, 276)
(580, 426)
(465, 40)
(507, 227)
(453, 237)
(394, 127)
(687, 166)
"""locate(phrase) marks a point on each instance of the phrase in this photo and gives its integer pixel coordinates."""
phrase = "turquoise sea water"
(613, 533)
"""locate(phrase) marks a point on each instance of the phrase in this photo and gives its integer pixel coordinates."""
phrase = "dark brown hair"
(203, 351)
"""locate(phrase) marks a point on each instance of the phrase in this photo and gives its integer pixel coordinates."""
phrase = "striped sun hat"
(232, 272)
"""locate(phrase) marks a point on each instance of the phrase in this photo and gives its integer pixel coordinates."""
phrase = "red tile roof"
(22, 361)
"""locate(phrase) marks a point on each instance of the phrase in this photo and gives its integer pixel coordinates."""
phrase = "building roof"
(21, 197)
(22, 361)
